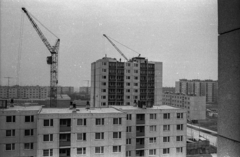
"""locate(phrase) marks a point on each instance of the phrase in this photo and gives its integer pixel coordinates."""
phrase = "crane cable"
(43, 25)
(20, 47)
(125, 46)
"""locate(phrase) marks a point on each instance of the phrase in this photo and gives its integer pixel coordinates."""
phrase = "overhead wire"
(44, 26)
(125, 46)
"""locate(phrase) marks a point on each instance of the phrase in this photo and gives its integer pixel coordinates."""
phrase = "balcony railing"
(65, 128)
(64, 143)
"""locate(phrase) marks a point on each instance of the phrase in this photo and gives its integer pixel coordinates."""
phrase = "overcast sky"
(180, 33)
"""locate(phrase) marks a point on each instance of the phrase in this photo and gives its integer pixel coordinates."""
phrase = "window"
(104, 90)
(99, 150)
(179, 126)
(128, 153)
(152, 151)
(28, 132)
(117, 135)
(48, 122)
(47, 152)
(103, 103)
(152, 140)
(127, 90)
(153, 116)
(104, 77)
(82, 121)
(117, 121)
(128, 84)
(81, 136)
(10, 133)
(99, 135)
(179, 149)
(99, 121)
(166, 150)
(135, 84)
(153, 127)
(135, 77)
(129, 117)
(48, 137)
(81, 150)
(135, 71)
(28, 145)
(116, 149)
(104, 63)
(166, 139)
(10, 119)
(127, 97)
(29, 118)
(104, 83)
(128, 71)
(179, 115)
(129, 129)
(166, 116)
(10, 146)
(104, 70)
(179, 138)
(128, 141)
(128, 77)
(135, 92)
(166, 127)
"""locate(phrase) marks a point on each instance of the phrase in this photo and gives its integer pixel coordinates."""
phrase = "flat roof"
(22, 108)
(79, 110)
(162, 107)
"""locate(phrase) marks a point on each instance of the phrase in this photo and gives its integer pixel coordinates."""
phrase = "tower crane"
(51, 60)
(115, 47)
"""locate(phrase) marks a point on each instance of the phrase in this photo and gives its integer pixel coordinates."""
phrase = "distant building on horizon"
(122, 83)
(31, 92)
(168, 89)
(194, 105)
(85, 89)
(208, 88)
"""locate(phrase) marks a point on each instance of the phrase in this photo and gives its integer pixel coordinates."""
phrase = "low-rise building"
(195, 105)
(117, 131)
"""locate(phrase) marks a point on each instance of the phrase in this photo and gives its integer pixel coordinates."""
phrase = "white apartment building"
(121, 83)
(194, 105)
(208, 88)
(118, 131)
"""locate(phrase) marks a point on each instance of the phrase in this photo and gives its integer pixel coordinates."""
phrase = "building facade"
(208, 88)
(195, 105)
(121, 83)
(118, 131)
(30, 92)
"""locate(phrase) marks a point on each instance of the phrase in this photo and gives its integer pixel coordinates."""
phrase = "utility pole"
(8, 85)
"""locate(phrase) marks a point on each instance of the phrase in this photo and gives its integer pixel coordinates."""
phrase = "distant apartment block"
(85, 90)
(30, 92)
(121, 83)
(208, 88)
(194, 105)
(168, 89)
(118, 131)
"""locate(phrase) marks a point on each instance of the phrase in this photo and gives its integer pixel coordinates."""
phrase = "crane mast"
(51, 60)
(115, 47)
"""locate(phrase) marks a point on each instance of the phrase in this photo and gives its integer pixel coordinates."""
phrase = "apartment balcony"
(64, 140)
(140, 119)
(64, 152)
(140, 131)
(65, 125)
(140, 143)
(64, 143)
